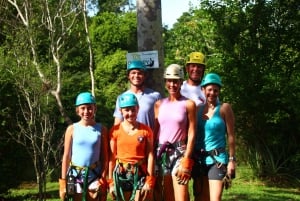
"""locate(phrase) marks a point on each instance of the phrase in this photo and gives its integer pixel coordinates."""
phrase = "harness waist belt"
(140, 162)
(168, 145)
(172, 145)
(93, 166)
(213, 152)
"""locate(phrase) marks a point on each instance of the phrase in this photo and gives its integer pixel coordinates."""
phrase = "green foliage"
(111, 79)
(113, 35)
(23, 93)
(194, 31)
(110, 32)
(115, 6)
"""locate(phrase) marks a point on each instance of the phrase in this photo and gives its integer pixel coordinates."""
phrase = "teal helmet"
(127, 100)
(211, 78)
(136, 64)
(85, 98)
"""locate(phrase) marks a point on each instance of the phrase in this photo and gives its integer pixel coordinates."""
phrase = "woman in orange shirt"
(131, 164)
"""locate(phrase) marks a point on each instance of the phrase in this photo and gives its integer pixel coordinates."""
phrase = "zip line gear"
(62, 188)
(85, 98)
(202, 154)
(211, 78)
(227, 181)
(174, 71)
(196, 58)
(136, 64)
(129, 177)
(184, 170)
(128, 100)
(78, 178)
(167, 155)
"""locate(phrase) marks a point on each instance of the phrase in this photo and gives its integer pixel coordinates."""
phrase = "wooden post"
(149, 31)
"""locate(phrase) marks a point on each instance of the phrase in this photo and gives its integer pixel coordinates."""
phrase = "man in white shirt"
(195, 68)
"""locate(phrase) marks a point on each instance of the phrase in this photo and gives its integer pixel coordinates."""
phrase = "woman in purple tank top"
(175, 118)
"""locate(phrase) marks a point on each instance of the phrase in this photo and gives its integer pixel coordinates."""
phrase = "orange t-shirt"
(131, 148)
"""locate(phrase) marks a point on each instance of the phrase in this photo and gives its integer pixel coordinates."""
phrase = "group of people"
(156, 144)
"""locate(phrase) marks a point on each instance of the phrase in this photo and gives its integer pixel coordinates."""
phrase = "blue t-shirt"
(211, 134)
(146, 100)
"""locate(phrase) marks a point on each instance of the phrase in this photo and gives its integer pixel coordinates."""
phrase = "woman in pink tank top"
(174, 130)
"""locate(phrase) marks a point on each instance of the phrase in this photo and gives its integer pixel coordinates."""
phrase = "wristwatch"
(232, 158)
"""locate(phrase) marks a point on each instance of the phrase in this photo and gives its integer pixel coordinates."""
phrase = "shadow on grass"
(266, 195)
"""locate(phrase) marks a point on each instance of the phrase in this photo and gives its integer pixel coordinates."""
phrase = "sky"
(173, 9)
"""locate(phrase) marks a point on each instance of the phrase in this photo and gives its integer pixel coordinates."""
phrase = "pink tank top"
(173, 120)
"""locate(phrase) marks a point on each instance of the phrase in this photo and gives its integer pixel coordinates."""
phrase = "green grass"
(244, 188)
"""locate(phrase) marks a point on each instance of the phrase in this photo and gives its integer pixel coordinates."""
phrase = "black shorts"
(213, 172)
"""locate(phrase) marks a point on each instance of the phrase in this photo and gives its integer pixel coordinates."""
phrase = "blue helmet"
(127, 100)
(211, 78)
(136, 64)
(85, 98)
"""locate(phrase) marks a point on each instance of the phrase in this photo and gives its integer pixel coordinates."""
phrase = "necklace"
(211, 106)
(130, 128)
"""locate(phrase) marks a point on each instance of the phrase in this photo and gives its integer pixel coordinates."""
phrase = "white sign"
(149, 58)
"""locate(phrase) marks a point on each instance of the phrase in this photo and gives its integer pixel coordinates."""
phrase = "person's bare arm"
(112, 156)
(191, 110)
(156, 123)
(149, 154)
(104, 151)
(67, 151)
(228, 116)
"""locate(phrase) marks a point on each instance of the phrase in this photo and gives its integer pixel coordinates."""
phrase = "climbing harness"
(78, 175)
(128, 177)
(200, 155)
(168, 153)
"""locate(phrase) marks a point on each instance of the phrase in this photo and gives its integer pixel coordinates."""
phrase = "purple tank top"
(173, 120)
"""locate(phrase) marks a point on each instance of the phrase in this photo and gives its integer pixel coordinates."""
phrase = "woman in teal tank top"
(215, 128)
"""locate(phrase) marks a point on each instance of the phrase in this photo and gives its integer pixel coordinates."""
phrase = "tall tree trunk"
(150, 38)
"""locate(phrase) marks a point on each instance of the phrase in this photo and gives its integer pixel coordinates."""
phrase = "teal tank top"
(211, 134)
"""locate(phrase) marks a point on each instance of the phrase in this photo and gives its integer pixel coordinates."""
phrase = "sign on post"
(149, 58)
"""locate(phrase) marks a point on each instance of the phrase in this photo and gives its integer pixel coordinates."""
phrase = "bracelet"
(232, 158)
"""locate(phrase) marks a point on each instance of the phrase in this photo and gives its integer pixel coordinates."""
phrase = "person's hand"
(149, 183)
(102, 185)
(147, 189)
(62, 188)
(184, 170)
(231, 169)
(98, 187)
(111, 188)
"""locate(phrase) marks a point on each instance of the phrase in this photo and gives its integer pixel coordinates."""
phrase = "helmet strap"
(196, 82)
